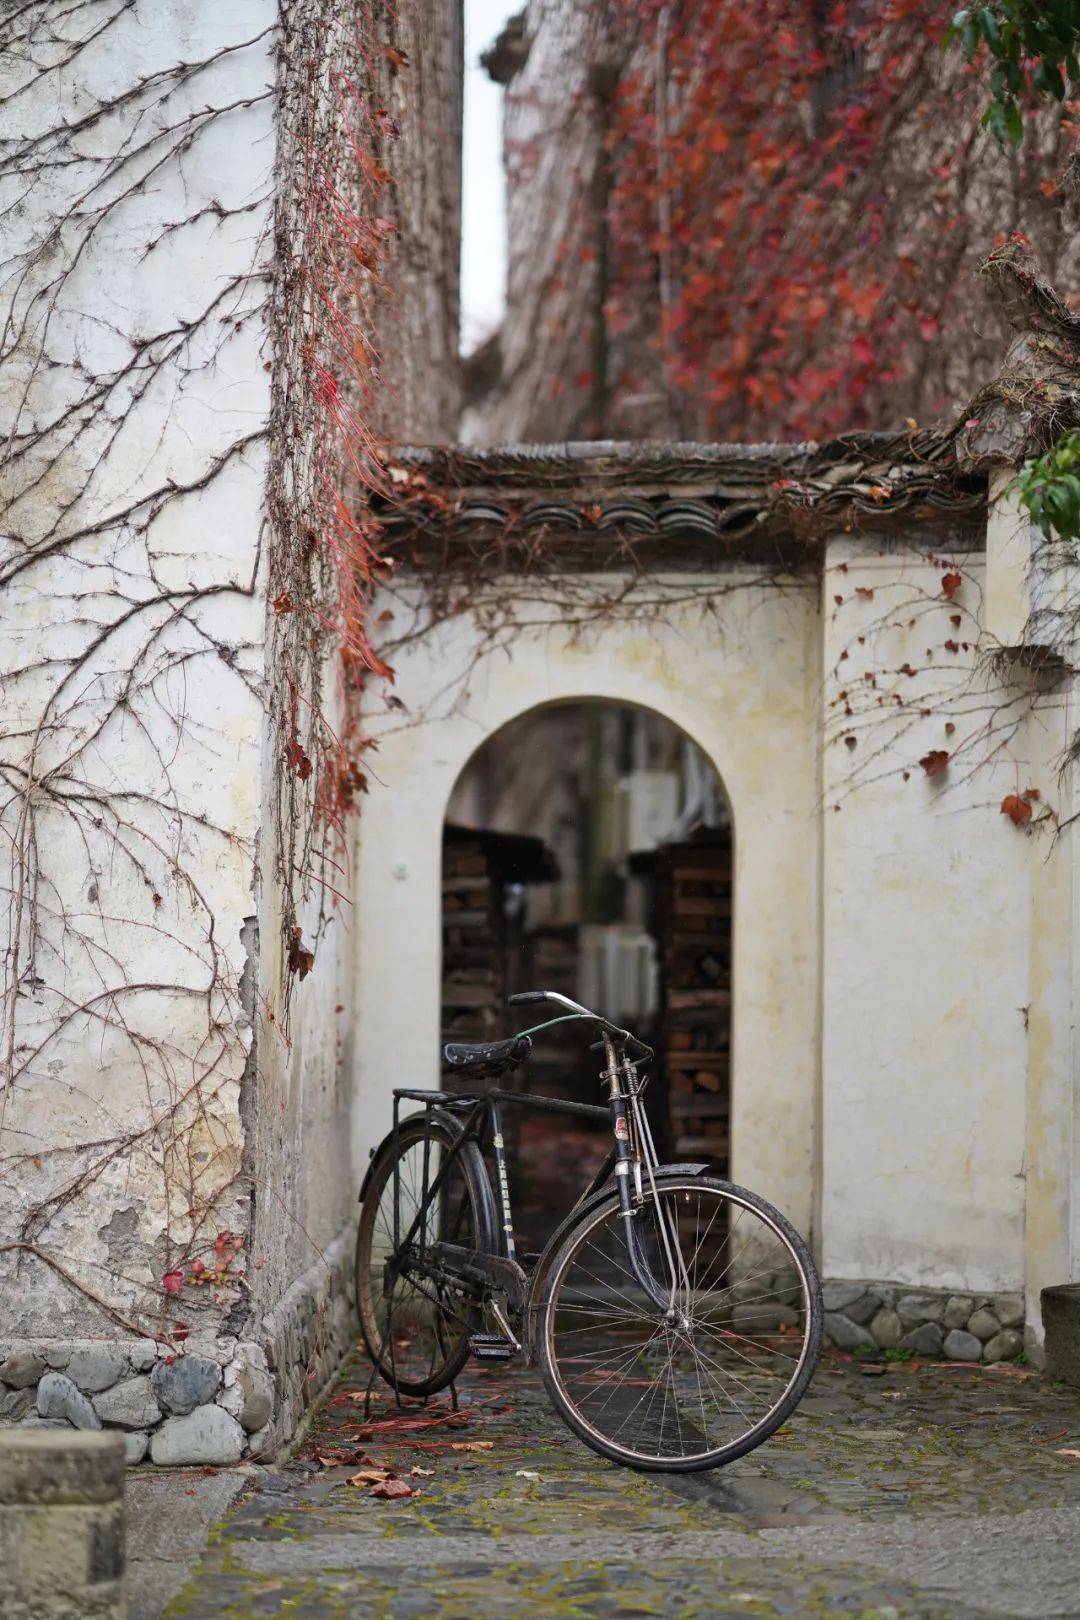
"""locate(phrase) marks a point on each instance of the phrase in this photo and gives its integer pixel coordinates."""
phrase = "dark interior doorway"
(588, 849)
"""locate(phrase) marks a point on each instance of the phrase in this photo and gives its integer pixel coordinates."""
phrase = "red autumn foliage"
(936, 762)
(796, 199)
(1018, 806)
(301, 960)
(297, 759)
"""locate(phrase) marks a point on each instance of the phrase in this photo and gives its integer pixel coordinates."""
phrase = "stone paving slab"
(922, 1493)
(170, 1514)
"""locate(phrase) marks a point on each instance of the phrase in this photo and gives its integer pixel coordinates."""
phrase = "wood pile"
(474, 947)
(693, 904)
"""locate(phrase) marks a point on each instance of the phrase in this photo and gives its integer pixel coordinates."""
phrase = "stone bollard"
(1061, 1325)
(61, 1525)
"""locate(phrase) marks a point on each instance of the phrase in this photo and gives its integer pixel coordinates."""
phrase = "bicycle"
(676, 1317)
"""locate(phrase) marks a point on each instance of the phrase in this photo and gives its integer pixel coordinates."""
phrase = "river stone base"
(1061, 1323)
(871, 1318)
(212, 1400)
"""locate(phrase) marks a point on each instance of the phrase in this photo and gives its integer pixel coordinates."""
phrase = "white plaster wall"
(742, 682)
(1053, 1095)
(925, 918)
(133, 521)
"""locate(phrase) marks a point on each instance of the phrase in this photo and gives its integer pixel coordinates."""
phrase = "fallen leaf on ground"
(1067, 1451)
(369, 1476)
(391, 1490)
(421, 1473)
(1005, 1369)
(471, 1445)
(527, 1473)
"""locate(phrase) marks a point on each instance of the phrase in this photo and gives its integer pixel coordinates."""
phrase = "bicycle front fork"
(632, 1132)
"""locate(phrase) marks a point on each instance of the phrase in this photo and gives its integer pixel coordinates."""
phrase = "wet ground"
(944, 1492)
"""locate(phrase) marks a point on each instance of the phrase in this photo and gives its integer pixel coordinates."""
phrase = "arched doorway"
(744, 687)
(587, 848)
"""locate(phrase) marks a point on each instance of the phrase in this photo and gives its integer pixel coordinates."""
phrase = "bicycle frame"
(632, 1158)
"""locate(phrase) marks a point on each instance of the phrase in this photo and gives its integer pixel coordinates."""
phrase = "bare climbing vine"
(150, 692)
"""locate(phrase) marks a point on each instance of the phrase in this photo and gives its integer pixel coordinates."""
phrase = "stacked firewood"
(693, 891)
(474, 948)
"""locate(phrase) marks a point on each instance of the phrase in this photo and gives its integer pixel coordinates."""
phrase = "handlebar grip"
(524, 997)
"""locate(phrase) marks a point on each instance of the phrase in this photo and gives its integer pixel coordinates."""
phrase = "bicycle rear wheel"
(716, 1378)
(416, 1328)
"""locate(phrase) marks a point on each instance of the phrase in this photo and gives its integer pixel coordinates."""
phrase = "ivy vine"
(1049, 488)
(1034, 45)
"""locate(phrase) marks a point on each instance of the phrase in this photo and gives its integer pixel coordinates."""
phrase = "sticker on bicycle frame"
(622, 1130)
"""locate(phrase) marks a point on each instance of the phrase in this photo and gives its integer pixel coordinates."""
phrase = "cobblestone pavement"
(937, 1492)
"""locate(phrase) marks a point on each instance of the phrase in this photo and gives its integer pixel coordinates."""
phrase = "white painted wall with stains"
(903, 1075)
(155, 1093)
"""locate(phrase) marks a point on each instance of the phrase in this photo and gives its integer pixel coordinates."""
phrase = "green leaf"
(1047, 77)
(988, 23)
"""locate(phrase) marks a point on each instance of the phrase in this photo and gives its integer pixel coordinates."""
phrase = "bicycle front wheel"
(712, 1376)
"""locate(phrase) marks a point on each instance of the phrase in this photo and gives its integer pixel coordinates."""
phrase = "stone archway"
(744, 690)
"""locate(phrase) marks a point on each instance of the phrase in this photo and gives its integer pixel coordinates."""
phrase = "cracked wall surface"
(176, 1096)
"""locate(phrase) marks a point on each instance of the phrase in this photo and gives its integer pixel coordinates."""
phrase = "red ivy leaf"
(172, 1282)
(950, 584)
(1017, 809)
(297, 758)
(935, 762)
(301, 960)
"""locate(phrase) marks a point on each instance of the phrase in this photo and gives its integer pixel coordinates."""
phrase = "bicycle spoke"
(421, 1322)
(667, 1387)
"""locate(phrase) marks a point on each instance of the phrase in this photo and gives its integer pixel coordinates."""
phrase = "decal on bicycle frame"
(622, 1129)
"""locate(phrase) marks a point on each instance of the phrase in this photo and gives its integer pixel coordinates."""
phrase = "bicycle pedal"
(490, 1347)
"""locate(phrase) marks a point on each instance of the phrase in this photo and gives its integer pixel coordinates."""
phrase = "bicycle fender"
(532, 1303)
(387, 1143)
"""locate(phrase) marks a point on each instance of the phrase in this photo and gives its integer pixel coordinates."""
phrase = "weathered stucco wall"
(135, 391)
(742, 681)
(925, 907)
(175, 1096)
(904, 1069)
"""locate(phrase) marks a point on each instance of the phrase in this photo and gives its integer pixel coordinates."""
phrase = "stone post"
(62, 1525)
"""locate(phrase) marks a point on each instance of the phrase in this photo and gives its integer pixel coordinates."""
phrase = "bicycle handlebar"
(531, 997)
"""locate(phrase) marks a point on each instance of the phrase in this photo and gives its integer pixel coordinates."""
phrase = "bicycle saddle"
(489, 1058)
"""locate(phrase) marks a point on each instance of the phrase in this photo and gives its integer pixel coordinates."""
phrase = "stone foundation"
(871, 1318)
(214, 1400)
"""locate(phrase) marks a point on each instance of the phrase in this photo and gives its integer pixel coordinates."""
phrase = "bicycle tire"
(559, 1380)
(470, 1175)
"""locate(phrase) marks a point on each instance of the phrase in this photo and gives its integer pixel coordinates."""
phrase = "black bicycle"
(676, 1317)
